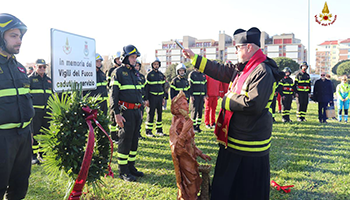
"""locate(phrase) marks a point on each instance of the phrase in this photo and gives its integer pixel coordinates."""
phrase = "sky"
(145, 24)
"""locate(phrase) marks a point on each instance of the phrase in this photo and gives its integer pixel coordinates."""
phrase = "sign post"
(72, 60)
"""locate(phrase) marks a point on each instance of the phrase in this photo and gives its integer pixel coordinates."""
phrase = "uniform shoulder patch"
(21, 69)
(125, 73)
(35, 80)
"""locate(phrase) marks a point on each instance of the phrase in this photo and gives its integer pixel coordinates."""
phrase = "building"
(329, 53)
(285, 45)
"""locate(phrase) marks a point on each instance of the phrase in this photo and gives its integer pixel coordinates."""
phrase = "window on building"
(277, 41)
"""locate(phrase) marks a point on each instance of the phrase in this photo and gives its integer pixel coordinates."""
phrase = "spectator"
(323, 94)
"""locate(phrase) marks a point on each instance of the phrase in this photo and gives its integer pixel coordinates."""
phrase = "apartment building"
(329, 53)
(285, 45)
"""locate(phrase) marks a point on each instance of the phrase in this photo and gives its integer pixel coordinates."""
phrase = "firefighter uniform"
(126, 100)
(41, 90)
(286, 89)
(177, 84)
(154, 93)
(303, 86)
(113, 126)
(16, 113)
(15, 131)
(142, 81)
(101, 84)
(272, 108)
(198, 90)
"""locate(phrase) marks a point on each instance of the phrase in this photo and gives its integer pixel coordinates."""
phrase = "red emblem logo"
(325, 18)
(21, 69)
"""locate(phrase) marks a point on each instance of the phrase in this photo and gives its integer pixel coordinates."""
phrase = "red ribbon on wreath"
(84, 169)
(286, 188)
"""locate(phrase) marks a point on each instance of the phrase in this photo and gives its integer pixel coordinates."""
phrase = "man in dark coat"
(244, 125)
(323, 94)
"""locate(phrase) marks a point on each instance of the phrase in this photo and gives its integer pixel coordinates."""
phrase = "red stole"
(223, 121)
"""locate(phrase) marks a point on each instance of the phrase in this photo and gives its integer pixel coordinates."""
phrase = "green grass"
(314, 157)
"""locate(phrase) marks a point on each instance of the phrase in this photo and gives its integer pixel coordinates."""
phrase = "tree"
(283, 62)
(335, 68)
(343, 68)
(170, 72)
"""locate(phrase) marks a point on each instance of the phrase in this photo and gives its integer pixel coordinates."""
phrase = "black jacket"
(126, 87)
(41, 90)
(198, 83)
(323, 91)
(155, 81)
(177, 84)
(303, 82)
(286, 86)
(251, 123)
(101, 84)
(16, 105)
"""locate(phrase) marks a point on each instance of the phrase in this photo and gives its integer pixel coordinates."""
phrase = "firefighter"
(126, 100)
(154, 98)
(142, 81)
(286, 89)
(16, 112)
(179, 82)
(41, 90)
(302, 83)
(101, 84)
(116, 63)
(198, 92)
(113, 126)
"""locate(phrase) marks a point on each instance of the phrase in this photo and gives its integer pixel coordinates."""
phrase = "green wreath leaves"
(64, 143)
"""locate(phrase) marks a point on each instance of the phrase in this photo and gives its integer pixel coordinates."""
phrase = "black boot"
(198, 129)
(133, 169)
(125, 174)
(195, 128)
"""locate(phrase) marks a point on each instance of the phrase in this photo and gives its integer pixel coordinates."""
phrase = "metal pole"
(308, 36)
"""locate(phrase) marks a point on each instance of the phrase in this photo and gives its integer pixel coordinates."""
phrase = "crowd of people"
(243, 128)
(300, 90)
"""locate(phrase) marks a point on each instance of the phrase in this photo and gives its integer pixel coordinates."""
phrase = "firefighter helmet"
(98, 57)
(304, 63)
(116, 56)
(8, 22)
(156, 60)
(128, 51)
(139, 63)
(180, 66)
(287, 69)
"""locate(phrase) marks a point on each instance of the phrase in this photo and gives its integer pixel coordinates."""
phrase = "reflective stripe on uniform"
(157, 93)
(15, 125)
(40, 91)
(126, 87)
(13, 92)
(179, 89)
(101, 84)
(39, 107)
(249, 146)
(155, 82)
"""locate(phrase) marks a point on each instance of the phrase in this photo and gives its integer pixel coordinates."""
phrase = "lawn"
(312, 156)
